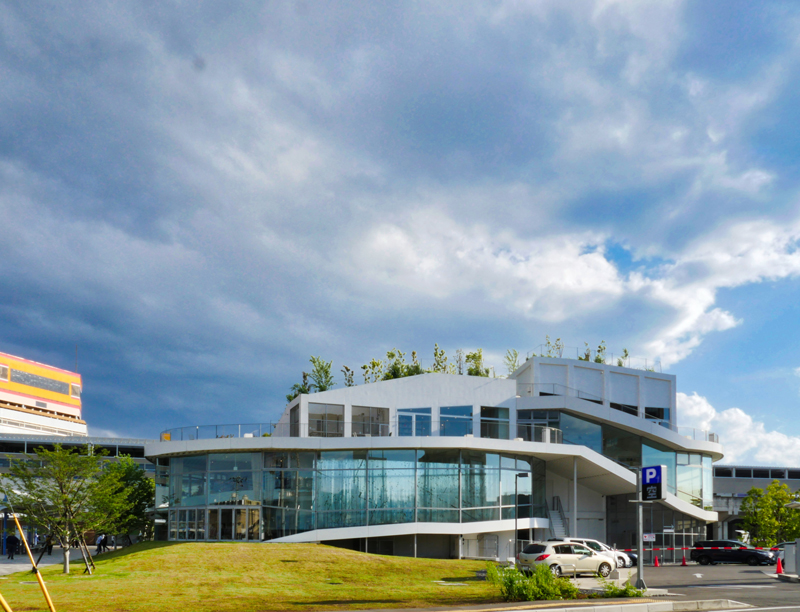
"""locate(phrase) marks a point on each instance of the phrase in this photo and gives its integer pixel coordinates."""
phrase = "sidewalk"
(22, 563)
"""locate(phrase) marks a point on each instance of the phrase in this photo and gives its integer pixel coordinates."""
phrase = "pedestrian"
(114, 541)
(99, 543)
(48, 544)
(12, 542)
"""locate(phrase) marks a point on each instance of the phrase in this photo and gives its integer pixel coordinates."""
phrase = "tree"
(299, 388)
(511, 360)
(765, 516)
(348, 377)
(141, 495)
(439, 360)
(67, 492)
(373, 371)
(475, 366)
(398, 368)
(600, 357)
(321, 376)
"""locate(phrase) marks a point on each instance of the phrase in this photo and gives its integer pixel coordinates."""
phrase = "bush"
(540, 585)
(612, 590)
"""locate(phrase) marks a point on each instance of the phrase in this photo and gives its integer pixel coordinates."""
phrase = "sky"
(200, 196)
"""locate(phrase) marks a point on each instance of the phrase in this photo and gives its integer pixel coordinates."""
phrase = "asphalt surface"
(757, 586)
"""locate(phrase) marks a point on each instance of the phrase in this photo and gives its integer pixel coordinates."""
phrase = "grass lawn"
(243, 577)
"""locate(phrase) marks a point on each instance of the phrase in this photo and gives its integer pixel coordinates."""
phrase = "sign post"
(650, 488)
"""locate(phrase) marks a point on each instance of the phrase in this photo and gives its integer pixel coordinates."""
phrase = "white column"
(573, 532)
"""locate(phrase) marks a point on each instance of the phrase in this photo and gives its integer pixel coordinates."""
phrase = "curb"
(788, 578)
(617, 605)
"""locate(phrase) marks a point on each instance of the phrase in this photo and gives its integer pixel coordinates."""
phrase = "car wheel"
(555, 570)
(704, 560)
(620, 562)
(752, 560)
(604, 570)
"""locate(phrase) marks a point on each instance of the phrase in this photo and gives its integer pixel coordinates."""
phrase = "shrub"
(612, 590)
(540, 585)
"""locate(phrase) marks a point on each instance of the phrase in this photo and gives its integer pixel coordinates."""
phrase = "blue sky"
(201, 196)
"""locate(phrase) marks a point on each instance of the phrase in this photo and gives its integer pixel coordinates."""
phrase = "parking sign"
(654, 480)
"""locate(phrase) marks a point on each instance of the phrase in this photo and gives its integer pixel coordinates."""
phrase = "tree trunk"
(66, 559)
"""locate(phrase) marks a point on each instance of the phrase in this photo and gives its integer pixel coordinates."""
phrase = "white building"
(428, 465)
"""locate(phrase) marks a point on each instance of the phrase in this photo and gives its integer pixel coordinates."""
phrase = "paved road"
(756, 586)
(21, 563)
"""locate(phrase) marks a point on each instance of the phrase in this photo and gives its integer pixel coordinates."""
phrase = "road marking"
(739, 586)
(698, 575)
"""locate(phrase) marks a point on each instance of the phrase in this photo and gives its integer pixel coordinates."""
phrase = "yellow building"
(35, 397)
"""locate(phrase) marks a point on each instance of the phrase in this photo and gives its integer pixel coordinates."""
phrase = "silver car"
(617, 557)
(563, 558)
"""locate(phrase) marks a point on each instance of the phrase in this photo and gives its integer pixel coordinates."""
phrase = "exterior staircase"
(558, 522)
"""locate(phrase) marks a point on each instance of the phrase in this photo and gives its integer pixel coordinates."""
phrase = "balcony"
(544, 389)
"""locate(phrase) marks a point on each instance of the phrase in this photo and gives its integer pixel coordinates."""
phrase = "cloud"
(744, 440)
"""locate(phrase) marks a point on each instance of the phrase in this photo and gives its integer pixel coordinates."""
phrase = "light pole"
(517, 476)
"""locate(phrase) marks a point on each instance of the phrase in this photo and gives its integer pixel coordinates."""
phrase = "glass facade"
(263, 496)
(690, 475)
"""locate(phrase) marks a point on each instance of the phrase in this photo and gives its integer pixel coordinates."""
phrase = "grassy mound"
(188, 577)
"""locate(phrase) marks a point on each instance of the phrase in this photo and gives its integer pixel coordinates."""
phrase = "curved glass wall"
(252, 496)
(689, 475)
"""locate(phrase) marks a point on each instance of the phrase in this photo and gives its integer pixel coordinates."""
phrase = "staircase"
(558, 522)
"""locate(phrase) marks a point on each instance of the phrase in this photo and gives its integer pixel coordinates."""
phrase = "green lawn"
(243, 577)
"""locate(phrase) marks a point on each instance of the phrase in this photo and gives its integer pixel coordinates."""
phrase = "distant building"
(440, 465)
(731, 484)
(39, 399)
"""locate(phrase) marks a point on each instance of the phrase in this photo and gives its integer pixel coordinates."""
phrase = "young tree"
(141, 495)
(398, 368)
(475, 366)
(67, 492)
(439, 360)
(299, 388)
(348, 377)
(373, 371)
(511, 360)
(321, 376)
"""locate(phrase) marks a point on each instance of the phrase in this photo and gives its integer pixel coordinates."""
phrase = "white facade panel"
(588, 380)
(552, 374)
(657, 393)
(623, 389)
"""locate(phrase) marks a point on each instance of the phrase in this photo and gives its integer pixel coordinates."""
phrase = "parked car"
(707, 552)
(778, 549)
(617, 557)
(563, 558)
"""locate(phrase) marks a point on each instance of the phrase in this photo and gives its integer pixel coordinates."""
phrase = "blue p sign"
(652, 475)
(653, 479)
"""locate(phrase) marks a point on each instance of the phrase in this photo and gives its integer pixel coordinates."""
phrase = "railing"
(584, 354)
(210, 432)
(543, 389)
(539, 433)
(700, 435)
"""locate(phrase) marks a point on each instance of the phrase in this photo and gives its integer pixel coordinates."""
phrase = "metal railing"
(700, 435)
(544, 389)
(539, 433)
(590, 355)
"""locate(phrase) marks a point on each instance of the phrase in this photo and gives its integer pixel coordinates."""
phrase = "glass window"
(425, 515)
(508, 480)
(39, 382)
(480, 487)
(231, 461)
(347, 460)
(494, 423)
(391, 517)
(581, 432)
(622, 446)
(226, 524)
(289, 488)
(655, 454)
(725, 472)
(740, 472)
(232, 488)
(392, 459)
(213, 524)
(325, 420)
(472, 515)
(437, 488)
(341, 490)
(660, 414)
(391, 488)
(455, 420)
(439, 458)
(413, 421)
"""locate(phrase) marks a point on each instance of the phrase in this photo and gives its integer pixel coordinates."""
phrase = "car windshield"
(593, 545)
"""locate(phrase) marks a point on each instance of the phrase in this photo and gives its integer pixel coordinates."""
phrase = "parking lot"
(757, 586)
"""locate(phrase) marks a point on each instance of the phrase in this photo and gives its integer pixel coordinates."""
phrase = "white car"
(617, 557)
(563, 558)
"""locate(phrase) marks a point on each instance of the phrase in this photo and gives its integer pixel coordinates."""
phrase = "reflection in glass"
(213, 524)
(226, 524)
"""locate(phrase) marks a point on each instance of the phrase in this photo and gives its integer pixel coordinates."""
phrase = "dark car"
(707, 552)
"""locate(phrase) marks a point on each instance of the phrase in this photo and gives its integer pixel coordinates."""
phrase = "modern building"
(39, 399)
(731, 485)
(442, 465)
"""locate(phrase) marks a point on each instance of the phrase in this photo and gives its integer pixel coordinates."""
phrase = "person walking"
(99, 543)
(12, 542)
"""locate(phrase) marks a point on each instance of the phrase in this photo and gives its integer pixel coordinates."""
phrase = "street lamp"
(517, 476)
